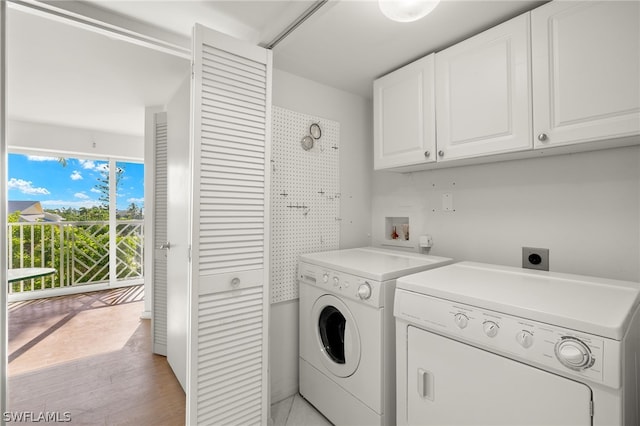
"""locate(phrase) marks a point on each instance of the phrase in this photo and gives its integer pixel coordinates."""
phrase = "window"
(60, 216)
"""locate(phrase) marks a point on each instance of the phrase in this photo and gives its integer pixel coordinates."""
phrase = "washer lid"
(592, 305)
(375, 263)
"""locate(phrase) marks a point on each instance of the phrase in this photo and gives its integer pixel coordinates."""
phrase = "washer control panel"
(569, 352)
(345, 285)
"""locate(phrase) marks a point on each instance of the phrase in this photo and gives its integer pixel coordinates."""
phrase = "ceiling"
(67, 75)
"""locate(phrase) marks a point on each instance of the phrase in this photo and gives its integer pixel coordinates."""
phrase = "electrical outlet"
(535, 258)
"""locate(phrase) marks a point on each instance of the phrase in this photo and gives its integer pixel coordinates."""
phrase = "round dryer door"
(337, 335)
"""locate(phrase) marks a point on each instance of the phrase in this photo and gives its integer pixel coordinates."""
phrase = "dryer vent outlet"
(535, 258)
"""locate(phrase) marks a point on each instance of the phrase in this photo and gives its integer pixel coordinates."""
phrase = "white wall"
(585, 208)
(24, 136)
(354, 114)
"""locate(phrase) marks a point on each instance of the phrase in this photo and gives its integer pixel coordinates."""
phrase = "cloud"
(76, 175)
(26, 187)
(96, 190)
(41, 158)
(135, 200)
(73, 204)
(87, 164)
(92, 165)
(81, 195)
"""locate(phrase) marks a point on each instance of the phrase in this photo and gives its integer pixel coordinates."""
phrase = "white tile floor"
(296, 411)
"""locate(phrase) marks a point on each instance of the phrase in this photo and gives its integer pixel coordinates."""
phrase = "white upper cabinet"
(565, 76)
(404, 116)
(586, 71)
(483, 93)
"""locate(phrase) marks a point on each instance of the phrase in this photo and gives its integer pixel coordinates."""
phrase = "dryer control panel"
(569, 352)
(347, 286)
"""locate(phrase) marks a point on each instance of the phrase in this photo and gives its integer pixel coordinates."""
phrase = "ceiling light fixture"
(407, 10)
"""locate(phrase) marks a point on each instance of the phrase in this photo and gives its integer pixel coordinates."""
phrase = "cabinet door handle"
(441, 153)
(542, 137)
(427, 154)
(425, 384)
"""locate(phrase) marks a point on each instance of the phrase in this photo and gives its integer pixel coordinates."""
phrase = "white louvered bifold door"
(3, 213)
(229, 312)
(160, 236)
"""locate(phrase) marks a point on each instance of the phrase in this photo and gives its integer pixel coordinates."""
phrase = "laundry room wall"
(585, 208)
(354, 115)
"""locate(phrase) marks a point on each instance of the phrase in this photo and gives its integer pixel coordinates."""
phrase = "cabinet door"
(483, 93)
(451, 383)
(585, 71)
(404, 117)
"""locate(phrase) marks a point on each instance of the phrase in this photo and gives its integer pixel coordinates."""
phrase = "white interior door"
(451, 383)
(3, 214)
(178, 223)
(227, 367)
(160, 235)
(156, 221)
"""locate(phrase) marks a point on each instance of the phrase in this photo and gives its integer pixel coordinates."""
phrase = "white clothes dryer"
(347, 353)
(492, 345)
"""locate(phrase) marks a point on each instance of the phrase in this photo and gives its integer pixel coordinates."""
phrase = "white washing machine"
(347, 353)
(490, 345)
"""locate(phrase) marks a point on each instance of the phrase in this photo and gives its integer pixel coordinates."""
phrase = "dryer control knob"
(525, 338)
(336, 281)
(490, 328)
(325, 277)
(574, 353)
(461, 320)
(364, 291)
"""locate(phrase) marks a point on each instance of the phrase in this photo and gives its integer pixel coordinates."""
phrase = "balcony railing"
(79, 251)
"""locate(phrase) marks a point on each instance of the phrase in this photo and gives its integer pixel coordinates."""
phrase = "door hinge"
(193, 69)
(591, 408)
(189, 251)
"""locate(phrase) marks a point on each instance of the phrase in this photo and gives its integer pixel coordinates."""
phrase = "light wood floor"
(90, 356)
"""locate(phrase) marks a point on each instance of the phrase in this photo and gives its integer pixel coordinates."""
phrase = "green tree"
(134, 212)
(14, 217)
(103, 185)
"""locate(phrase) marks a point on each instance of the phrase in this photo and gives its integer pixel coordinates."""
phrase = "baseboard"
(160, 349)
